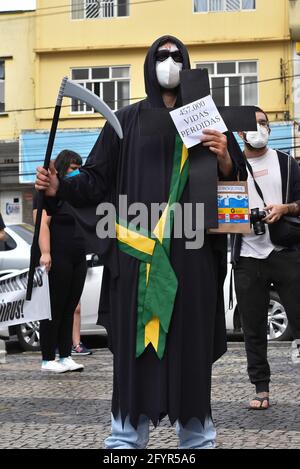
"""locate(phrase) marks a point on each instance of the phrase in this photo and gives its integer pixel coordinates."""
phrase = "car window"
(8, 244)
(24, 231)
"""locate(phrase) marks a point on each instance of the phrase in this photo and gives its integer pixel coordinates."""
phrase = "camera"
(257, 222)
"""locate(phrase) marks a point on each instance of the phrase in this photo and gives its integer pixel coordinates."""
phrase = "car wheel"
(278, 326)
(29, 336)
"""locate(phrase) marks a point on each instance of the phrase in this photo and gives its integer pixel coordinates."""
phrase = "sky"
(8, 5)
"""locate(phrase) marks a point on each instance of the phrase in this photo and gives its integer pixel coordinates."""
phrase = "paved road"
(73, 410)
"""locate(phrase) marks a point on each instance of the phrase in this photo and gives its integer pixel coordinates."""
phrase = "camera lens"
(256, 218)
(259, 228)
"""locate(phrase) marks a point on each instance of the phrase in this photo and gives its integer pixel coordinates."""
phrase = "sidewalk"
(73, 410)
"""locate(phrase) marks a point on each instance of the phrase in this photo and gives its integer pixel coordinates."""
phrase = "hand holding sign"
(192, 119)
(217, 143)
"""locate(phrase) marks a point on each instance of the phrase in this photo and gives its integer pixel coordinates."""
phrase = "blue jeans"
(192, 436)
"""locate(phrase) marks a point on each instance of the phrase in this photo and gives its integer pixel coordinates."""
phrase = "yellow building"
(294, 7)
(245, 44)
(249, 41)
(17, 93)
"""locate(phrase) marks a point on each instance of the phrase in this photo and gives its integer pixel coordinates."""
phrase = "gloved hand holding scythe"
(71, 90)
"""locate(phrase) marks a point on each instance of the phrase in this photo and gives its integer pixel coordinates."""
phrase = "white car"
(15, 255)
(278, 327)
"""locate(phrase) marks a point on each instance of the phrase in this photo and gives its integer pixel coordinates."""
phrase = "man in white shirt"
(257, 262)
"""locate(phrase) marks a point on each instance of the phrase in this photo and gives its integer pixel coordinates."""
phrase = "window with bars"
(233, 83)
(112, 84)
(90, 9)
(2, 85)
(201, 6)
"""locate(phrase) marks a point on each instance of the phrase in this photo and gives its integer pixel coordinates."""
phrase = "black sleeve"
(2, 224)
(239, 170)
(97, 176)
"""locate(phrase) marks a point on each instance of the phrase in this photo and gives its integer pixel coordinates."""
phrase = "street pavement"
(73, 410)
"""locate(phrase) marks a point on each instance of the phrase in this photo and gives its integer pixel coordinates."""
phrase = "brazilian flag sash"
(157, 283)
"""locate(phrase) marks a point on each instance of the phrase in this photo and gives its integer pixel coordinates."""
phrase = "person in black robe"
(177, 384)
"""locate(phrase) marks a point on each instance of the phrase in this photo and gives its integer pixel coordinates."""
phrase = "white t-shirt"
(267, 174)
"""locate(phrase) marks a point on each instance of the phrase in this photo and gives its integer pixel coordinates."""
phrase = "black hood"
(152, 87)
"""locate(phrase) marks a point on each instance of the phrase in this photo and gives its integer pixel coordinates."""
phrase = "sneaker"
(295, 352)
(53, 366)
(70, 364)
(80, 349)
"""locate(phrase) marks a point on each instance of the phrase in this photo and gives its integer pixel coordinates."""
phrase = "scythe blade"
(69, 89)
(75, 91)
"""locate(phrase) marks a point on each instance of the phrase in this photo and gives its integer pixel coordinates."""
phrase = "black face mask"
(163, 55)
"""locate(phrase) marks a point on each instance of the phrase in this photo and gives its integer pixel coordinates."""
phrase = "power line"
(70, 9)
(85, 133)
(294, 147)
(42, 135)
(67, 106)
(66, 5)
(140, 98)
(4, 174)
(82, 134)
(24, 174)
(17, 162)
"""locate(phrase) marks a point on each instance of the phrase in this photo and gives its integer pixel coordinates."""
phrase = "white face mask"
(167, 73)
(258, 139)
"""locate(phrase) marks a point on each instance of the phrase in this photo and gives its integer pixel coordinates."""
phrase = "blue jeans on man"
(193, 436)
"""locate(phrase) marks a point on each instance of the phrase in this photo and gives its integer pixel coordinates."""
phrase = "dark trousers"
(66, 281)
(253, 278)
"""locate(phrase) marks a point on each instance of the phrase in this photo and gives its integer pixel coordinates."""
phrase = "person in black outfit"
(257, 261)
(156, 373)
(63, 255)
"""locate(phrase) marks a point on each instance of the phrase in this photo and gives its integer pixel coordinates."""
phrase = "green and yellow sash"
(157, 284)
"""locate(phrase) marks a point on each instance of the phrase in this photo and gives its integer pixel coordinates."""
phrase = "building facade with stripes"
(248, 47)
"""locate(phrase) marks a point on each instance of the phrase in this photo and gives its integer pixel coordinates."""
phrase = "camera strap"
(258, 189)
(288, 183)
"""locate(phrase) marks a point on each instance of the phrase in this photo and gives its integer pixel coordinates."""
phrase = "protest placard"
(233, 208)
(191, 119)
(14, 309)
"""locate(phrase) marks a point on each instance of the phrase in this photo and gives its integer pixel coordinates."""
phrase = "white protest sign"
(191, 119)
(14, 309)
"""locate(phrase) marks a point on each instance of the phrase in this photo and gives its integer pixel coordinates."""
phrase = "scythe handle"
(40, 202)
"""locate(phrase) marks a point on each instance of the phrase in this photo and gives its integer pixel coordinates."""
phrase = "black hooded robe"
(179, 384)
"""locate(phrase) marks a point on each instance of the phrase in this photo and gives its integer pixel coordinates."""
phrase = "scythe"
(68, 89)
